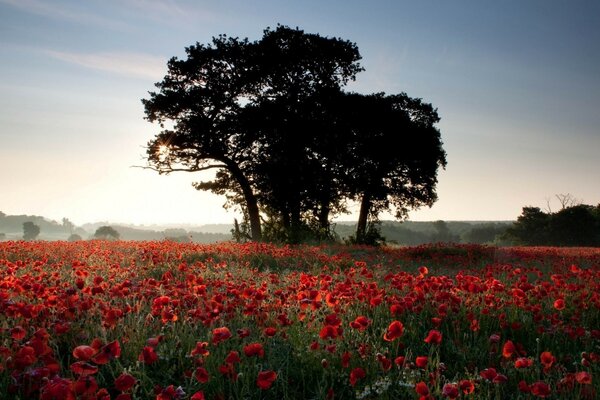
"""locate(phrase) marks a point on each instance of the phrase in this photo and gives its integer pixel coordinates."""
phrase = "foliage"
(156, 320)
(106, 232)
(286, 142)
(74, 237)
(577, 225)
(30, 230)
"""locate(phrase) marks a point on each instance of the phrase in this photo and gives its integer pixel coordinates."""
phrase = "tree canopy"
(575, 225)
(287, 143)
(106, 232)
(30, 230)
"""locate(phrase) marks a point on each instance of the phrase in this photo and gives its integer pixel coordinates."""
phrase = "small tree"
(106, 232)
(30, 230)
(74, 238)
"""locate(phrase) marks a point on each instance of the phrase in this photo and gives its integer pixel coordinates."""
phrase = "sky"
(516, 84)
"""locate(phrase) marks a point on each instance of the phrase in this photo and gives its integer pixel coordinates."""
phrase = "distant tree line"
(576, 225)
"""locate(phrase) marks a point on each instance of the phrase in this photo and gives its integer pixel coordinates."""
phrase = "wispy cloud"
(58, 10)
(133, 65)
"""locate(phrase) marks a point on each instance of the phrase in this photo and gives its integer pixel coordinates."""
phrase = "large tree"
(392, 156)
(201, 99)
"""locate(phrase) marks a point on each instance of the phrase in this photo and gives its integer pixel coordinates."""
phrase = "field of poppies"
(161, 320)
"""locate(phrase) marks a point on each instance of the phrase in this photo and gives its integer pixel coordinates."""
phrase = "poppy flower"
(346, 359)
(17, 333)
(85, 386)
(524, 387)
(124, 382)
(254, 349)
(434, 337)
(201, 375)
(421, 361)
(583, 377)
(270, 331)
(329, 331)
(357, 374)
(540, 389)
(220, 335)
(201, 349)
(148, 355)
(508, 349)
(198, 396)
(82, 368)
(108, 352)
(233, 357)
(394, 331)
(488, 373)
(84, 353)
(547, 359)
(559, 304)
(265, 379)
(450, 390)
(422, 389)
(466, 386)
(523, 362)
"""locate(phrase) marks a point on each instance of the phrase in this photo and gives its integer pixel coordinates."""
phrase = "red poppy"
(540, 389)
(421, 361)
(125, 382)
(523, 362)
(489, 373)
(559, 304)
(265, 379)
(394, 331)
(201, 375)
(270, 331)
(422, 389)
(583, 377)
(508, 349)
(450, 390)
(110, 351)
(148, 355)
(466, 386)
(547, 359)
(357, 374)
(329, 331)
(233, 357)
(346, 359)
(254, 349)
(434, 337)
(82, 368)
(220, 335)
(84, 353)
(201, 349)
(85, 386)
(17, 333)
(198, 396)
(524, 387)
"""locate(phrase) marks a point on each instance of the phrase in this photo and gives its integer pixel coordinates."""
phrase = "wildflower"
(220, 335)
(265, 379)
(450, 390)
(124, 382)
(540, 389)
(357, 374)
(394, 331)
(201, 375)
(254, 349)
(434, 337)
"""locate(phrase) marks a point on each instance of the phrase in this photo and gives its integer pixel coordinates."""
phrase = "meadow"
(161, 320)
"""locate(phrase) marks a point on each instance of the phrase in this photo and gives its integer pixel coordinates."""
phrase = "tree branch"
(169, 170)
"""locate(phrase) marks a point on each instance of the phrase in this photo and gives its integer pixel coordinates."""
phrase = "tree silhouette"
(106, 232)
(393, 155)
(30, 230)
(203, 98)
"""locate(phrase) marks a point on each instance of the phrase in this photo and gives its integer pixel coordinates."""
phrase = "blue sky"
(517, 84)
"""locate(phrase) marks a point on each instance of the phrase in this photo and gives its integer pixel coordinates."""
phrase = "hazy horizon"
(516, 84)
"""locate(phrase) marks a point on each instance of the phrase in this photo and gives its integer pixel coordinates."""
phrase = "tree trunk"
(361, 226)
(250, 198)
